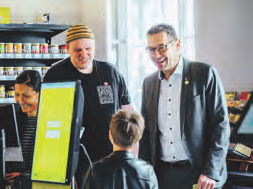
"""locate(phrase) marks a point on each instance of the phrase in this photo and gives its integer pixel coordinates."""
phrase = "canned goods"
(53, 49)
(2, 48)
(27, 48)
(38, 69)
(10, 92)
(43, 48)
(18, 70)
(28, 68)
(35, 48)
(9, 47)
(17, 47)
(44, 70)
(1, 70)
(9, 70)
(63, 49)
(2, 91)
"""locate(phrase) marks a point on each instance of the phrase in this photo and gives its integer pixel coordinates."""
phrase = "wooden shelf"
(7, 100)
(241, 173)
(33, 56)
(12, 77)
(239, 160)
(49, 30)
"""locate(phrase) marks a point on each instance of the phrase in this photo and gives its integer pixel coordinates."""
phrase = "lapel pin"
(186, 81)
(105, 83)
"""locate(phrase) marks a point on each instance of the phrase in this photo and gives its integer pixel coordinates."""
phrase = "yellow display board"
(53, 132)
(41, 185)
(4, 15)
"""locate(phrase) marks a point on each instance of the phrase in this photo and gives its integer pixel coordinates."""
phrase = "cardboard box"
(4, 15)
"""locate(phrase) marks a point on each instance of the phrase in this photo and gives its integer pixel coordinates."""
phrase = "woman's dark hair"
(126, 128)
(31, 78)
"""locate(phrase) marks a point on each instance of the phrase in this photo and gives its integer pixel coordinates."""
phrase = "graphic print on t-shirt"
(105, 94)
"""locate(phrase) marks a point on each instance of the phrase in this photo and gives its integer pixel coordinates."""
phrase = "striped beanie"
(79, 31)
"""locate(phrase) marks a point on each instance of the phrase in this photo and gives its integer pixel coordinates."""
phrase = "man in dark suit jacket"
(187, 129)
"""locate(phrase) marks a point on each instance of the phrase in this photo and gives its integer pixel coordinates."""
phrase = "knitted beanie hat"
(79, 31)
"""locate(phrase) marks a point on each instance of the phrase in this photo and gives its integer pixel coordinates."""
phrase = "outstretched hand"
(205, 182)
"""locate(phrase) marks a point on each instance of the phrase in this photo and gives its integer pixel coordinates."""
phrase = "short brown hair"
(126, 128)
(170, 30)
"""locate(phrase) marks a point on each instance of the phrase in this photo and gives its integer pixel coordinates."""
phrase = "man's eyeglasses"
(160, 49)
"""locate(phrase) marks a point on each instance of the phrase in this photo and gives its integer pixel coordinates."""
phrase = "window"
(130, 20)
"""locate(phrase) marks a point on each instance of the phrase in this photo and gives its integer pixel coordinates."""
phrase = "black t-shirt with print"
(104, 92)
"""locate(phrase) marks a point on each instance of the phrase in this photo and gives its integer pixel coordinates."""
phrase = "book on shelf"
(234, 118)
(240, 150)
(230, 95)
(240, 187)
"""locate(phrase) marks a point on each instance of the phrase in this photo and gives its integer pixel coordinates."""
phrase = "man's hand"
(205, 182)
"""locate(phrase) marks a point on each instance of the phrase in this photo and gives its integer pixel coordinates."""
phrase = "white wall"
(224, 31)
(62, 11)
(90, 12)
(94, 13)
(30, 11)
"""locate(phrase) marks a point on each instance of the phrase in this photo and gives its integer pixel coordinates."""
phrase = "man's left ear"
(67, 47)
(110, 136)
(178, 43)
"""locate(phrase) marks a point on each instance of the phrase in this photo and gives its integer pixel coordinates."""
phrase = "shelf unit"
(240, 169)
(27, 33)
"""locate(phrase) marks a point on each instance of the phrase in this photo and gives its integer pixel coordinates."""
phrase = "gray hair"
(163, 27)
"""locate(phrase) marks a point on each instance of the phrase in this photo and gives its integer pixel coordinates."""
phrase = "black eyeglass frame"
(159, 48)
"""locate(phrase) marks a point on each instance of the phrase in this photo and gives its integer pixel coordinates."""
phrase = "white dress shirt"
(172, 149)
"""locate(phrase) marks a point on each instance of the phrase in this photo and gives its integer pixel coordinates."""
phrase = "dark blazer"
(121, 170)
(203, 119)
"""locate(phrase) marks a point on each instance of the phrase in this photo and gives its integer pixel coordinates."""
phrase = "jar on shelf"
(1, 70)
(9, 47)
(10, 92)
(35, 48)
(44, 48)
(18, 70)
(44, 70)
(63, 49)
(2, 48)
(17, 47)
(2, 91)
(9, 71)
(53, 49)
(27, 48)
(38, 69)
(28, 68)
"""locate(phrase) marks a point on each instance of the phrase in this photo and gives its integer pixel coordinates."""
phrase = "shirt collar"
(178, 70)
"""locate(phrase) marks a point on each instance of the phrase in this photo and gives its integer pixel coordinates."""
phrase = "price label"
(8, 55)
(36, 56)
(28, 55)
(19, 56)
(46, 55)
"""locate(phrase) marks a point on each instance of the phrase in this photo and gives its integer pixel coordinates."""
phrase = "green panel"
(53, 133)
(4, 15)
(41, 185)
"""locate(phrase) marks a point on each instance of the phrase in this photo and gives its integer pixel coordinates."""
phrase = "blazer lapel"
(156, 87)
(186, 83)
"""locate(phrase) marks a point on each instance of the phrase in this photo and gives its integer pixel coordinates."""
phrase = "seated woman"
(121, 169)
(27, 87)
